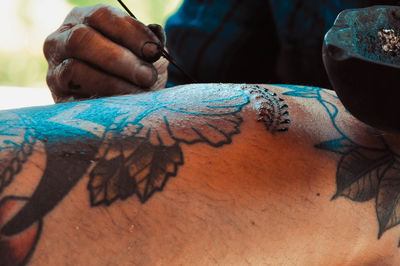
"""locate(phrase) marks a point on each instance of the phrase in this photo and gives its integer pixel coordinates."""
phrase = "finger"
(124, 30)
(86, 44)
(78, 79)
(77, 15)
(159, 32)
(162, 68)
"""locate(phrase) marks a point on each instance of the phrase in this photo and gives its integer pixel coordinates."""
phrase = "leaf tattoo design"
(388, 199)
(130, 147)
(359, 173)
(142, 161)
(363, 173)
(132, 167)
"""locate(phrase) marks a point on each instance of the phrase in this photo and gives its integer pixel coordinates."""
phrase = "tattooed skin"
(133, 145)
(130, 147)
(363, 173)
(17, 250)
(272, 110)
(134, 152)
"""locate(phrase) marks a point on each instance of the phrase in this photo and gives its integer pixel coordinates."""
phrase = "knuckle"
(55, 90)
(99, 12)
(58, 77)
(77, 36)
(101, 6)
(65, 71)
(50, 79)
(75, 10)
(75, 15)
(49, 46)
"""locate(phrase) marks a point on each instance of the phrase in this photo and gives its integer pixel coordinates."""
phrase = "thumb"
(159, 32)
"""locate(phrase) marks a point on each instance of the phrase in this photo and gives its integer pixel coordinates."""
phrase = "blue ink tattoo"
(134, 144)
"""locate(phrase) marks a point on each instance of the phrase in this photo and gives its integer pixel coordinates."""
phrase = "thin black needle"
(173, 62)
(127, 9)
(164, 53)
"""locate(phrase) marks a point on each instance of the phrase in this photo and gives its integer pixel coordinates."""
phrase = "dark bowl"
(361, 54)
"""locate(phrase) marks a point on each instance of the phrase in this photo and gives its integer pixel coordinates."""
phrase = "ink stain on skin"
(272, 110)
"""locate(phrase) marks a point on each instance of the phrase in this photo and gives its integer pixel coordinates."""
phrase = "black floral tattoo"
(132, 166)
(131, 146)
(363, 173)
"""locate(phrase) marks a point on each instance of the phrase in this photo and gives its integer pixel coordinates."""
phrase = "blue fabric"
(252, 40)
(207, 36)
(303, 23)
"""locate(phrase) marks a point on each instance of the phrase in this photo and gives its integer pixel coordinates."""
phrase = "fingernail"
(145, 76)
(151, 51)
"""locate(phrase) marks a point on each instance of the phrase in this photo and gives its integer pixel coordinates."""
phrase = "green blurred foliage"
(22, 69)
(27, 69)
(149, 11)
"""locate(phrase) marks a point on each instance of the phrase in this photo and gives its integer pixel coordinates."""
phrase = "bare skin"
(104, 48)
(258, 183)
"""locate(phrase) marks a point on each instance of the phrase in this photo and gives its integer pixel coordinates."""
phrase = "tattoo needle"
(164, 53)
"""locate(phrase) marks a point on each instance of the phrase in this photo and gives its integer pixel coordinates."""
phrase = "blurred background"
(24, 25)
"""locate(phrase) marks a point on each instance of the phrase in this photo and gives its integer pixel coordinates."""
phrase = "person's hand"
(101, 51)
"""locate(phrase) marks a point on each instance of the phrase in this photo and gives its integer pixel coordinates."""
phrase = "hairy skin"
(199, 174)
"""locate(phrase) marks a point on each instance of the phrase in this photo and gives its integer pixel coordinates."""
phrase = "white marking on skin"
(68, 118)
